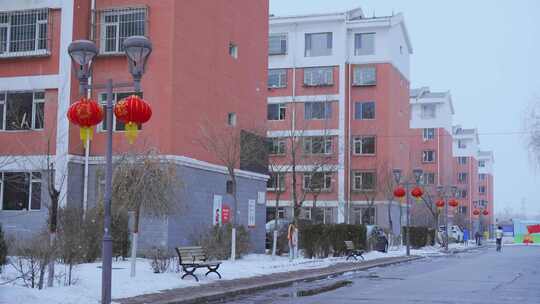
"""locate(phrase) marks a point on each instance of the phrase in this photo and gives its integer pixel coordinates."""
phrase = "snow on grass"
(87, 289)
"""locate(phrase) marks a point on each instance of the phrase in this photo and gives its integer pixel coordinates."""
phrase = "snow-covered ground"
(87, 289)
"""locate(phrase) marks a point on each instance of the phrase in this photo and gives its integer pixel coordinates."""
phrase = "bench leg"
(362, 257)
(189, 272)
(351, 255)
(214, 270)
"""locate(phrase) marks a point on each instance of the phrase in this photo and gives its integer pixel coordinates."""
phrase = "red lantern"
(132, 111)
(399, 192)
(453, 203)
(417, 193)
(85, 113)
(476, 212)
(439, 204)
(485, 212)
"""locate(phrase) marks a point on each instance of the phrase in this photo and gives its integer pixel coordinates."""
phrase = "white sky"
(487, 53)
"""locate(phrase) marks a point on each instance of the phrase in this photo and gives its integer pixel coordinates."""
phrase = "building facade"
(486, 184)
(199, 75)
(338, 87)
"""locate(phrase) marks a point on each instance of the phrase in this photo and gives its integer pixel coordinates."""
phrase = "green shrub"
(3, 249)
(320, 240)
(217, 241)
(420, 236)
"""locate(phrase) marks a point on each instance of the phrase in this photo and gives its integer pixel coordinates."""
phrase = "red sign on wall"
(225, 214)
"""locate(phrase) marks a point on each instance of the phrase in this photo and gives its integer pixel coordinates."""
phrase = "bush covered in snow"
(321, 240)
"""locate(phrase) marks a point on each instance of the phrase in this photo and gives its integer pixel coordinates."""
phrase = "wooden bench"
(352, 252)
(191, 258)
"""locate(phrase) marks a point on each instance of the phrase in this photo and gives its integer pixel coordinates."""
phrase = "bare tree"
(532, 125)
(144, 183)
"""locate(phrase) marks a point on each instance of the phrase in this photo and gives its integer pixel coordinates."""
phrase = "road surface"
(478, 276)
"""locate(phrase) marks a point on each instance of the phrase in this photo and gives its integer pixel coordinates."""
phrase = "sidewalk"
(226, 288)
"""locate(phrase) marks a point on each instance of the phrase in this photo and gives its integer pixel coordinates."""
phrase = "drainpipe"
(349, 138)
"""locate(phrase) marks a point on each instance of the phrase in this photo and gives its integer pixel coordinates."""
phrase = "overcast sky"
(487, 53)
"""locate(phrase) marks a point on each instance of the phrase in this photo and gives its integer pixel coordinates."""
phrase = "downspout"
(349, 150)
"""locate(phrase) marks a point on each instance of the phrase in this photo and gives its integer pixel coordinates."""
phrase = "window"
(319, 76)
(231, 119)
(462, 209)
(317, 110)
(364, 44)
(482, 189)
(462, 144)
(364, 181)
(276, 182)
(277, 44)
(317, 145)
(481, 176)
(20, 190)
(318, 44)
(364, 110)
(481, 163)
(462, 177)
(428, 111)
(462, 160)
(277, 146)
(24, 32)
(22, 110)
(119, 24)
(364, 75)
(117, 125)
(428, 156)
(276, 111)
(277, 78)
(323, 215)
(233, 50)
(428, 178)
(318, 181)
(428, 134)
(364, 145)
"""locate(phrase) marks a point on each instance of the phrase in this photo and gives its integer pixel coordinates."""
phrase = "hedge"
(320, 240)
(420, 236)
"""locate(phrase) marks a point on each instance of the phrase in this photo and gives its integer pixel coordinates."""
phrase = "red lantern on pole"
(476, 212)
(439, 203)
(417, 193)
(400, 193)
(485, 212)
(453, 203)
(132, 111)
(85, 113)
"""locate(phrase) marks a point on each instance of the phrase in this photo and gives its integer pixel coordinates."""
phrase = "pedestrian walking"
(292, 237)
(498, 238)
(466, 236)
(478, 238)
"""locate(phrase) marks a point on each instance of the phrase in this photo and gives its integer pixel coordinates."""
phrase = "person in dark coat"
(478, 238)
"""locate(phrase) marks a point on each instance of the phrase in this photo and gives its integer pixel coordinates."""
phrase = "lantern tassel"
(86, 134)
(131, 132)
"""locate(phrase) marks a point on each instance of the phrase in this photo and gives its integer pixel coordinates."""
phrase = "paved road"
(479, 276)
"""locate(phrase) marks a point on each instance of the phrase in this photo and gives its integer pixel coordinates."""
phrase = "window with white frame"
(364, 110)
(324, 215)
(462, 160)
(364, 44)
(317, 145)
(462, 210)
(462, 144)
(318, 76)
(318, 44)
(276, 182)
(364, 145)
(428, 156)
(462, 193)
(119, 24)
(277, 44)
(462, 177)
(276, 111)
(233, 50)
(277, 146)
(20, 190)
(277, 78)
(364, 181)
(117, 125)
(481, 163)
(231, 119)
(428, 134)
(24, 33)
(482, 189)
(428, 178)
(22, 110)
(428, 111)
(317, 181)
(364, 76)
(481, 176)
(317, 110)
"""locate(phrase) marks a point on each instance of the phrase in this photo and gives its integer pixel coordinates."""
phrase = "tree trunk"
(276, 215)
(50, 278)
(390, 222)
(233, 244)
(134, 241)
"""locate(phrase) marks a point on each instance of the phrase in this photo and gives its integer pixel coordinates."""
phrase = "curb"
(279, 283)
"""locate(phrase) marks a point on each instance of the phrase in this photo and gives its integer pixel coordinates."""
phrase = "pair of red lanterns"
(477, 212)
(416, 192)
(452, 203)
(86, 113)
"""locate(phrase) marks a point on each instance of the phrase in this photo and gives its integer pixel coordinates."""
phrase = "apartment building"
(486, 162)
(199, 72)
(338, 84)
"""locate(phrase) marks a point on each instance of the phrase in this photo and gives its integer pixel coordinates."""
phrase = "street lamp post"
(397, 177)
(82, 53)
(446, 193)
